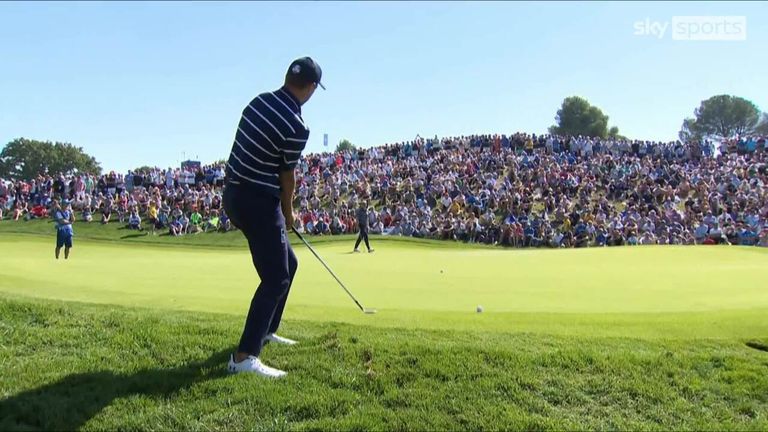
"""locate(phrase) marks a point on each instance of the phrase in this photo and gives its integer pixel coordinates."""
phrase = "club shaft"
(301, 237)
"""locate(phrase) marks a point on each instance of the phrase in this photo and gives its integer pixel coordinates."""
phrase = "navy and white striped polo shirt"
(269, 139)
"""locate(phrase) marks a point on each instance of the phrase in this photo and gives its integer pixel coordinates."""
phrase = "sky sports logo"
(695, 28)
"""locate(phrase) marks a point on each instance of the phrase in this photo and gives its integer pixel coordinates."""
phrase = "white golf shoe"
(271, 337)
(252, 364)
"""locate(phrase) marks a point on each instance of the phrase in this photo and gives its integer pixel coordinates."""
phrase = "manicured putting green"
(641, 291)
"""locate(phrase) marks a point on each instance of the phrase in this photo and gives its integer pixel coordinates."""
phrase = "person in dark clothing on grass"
(258, 198)
(362, 223)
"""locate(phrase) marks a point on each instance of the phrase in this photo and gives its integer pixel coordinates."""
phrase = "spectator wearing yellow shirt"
(152, 212)
(455, 207)
(566, 225)
(529, 145)
(152, 215)
(213, 222)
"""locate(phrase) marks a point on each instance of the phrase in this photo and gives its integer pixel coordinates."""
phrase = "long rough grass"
(66, 366)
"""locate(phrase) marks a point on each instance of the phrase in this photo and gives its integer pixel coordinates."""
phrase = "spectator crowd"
(179, 201)
(521, 190)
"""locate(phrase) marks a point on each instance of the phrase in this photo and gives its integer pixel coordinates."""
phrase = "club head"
(369, 311)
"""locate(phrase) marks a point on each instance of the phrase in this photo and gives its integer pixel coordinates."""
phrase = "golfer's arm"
(287, 186)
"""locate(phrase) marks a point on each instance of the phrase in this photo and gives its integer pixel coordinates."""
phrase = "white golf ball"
(479, 308)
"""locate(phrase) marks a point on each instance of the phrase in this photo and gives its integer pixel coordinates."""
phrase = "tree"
(721, 117)
(578, 117)
(689, 131)
(345, 145)
(143, 169)
(24, 159)
(762, 127)
(614, 133)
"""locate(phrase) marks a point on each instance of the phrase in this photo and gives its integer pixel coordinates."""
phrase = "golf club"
(364, 310)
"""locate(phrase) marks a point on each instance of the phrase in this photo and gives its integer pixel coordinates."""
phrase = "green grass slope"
(115, 232)
(639, 292)
(71, 366)
(623, 338)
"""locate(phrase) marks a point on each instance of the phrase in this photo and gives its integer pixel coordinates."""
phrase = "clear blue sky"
(146, 83)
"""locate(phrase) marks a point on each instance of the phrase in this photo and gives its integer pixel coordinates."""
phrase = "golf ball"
(479, 308)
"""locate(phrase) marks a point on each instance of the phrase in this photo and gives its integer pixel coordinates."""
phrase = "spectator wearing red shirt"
(38, 212)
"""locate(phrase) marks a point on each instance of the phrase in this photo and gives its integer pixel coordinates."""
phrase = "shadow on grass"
(73, 400)
(758, 345)
(139, 234)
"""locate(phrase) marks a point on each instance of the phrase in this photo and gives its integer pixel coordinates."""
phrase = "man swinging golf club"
(259, 201)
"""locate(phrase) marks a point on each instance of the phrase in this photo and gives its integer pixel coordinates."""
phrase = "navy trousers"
(259, 217)
(363, 235)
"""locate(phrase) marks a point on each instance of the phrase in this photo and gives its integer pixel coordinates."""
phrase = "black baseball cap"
(307, 71)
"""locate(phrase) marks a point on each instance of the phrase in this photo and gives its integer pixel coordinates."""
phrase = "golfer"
(258, 198)
(362, 223)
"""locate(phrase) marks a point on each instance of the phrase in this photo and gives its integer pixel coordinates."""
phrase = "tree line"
(26, 158)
